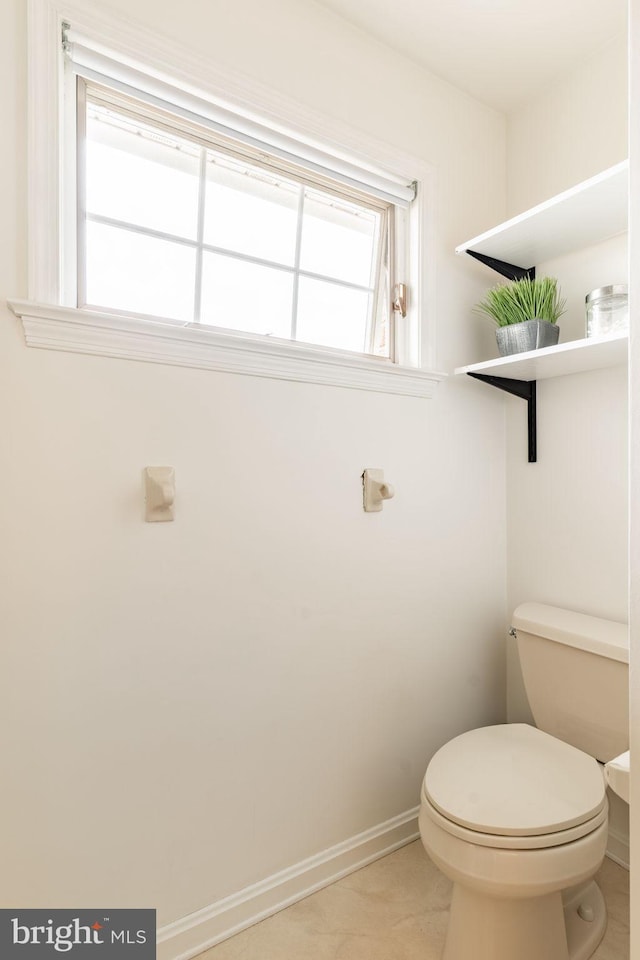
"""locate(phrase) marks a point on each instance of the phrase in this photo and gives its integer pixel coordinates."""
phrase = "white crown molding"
(189, 936)
(156, 341)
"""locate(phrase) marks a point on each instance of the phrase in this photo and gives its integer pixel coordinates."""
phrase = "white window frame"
(138, 111)
(51, 323)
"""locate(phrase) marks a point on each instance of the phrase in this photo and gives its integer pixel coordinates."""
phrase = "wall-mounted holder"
(375, 490)
(159, 493)
(509, 270)
(526, 389)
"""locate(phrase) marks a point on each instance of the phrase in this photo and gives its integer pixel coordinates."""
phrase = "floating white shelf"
(586, 214)
(576, 356)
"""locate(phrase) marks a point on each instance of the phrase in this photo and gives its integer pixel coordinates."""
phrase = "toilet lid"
(514, 780)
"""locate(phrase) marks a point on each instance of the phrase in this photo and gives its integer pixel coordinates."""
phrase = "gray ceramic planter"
(530, 335)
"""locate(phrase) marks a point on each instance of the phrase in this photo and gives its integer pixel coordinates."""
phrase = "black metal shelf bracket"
(526, 390)
(509, 270)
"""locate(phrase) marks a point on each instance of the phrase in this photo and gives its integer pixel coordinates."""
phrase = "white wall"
(567, 513)
(571, 131)
(194, 706)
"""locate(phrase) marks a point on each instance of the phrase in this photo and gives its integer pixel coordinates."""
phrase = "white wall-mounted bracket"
(159, 493)
(374, 489)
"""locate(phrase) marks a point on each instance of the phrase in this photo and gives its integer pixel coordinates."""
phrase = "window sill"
(130, 338)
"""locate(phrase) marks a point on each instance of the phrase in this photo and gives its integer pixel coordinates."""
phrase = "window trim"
(46, 213)
(190, 345)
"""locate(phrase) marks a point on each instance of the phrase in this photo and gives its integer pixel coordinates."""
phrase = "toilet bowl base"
(583, 936)
(529, 928)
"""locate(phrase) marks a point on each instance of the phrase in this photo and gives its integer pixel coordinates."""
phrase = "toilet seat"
(498, 841)
(514, 786)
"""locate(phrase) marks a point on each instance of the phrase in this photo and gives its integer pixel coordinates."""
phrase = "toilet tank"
(576, 673)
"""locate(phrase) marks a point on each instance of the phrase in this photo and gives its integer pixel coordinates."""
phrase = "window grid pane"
(314, 255)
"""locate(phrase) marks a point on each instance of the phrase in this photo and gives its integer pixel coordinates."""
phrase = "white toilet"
(516, 815)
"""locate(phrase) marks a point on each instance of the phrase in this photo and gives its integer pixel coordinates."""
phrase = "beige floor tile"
(394, 909)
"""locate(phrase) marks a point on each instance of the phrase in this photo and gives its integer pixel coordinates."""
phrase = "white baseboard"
(618, 848)
(186, 938)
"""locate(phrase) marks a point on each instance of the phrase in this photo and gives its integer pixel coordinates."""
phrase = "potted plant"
(526, 312)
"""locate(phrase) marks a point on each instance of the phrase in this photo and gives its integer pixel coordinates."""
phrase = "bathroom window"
(176, 221)
(180, 213)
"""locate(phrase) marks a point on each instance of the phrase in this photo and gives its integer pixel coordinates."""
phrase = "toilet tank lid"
(606, 638)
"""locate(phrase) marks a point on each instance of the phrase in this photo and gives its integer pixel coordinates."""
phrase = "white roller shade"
(93, 64)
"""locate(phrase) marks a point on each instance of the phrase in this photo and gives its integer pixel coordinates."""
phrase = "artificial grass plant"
(521, 300)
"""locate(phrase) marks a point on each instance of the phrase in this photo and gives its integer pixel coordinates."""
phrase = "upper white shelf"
(586, 214)
(576, 356)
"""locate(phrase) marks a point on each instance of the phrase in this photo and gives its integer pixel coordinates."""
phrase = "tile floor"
(394, 909)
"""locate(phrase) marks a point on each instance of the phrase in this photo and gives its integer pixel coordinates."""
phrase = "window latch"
(400, 299)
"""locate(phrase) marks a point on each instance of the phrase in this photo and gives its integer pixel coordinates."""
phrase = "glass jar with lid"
(607, 310)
